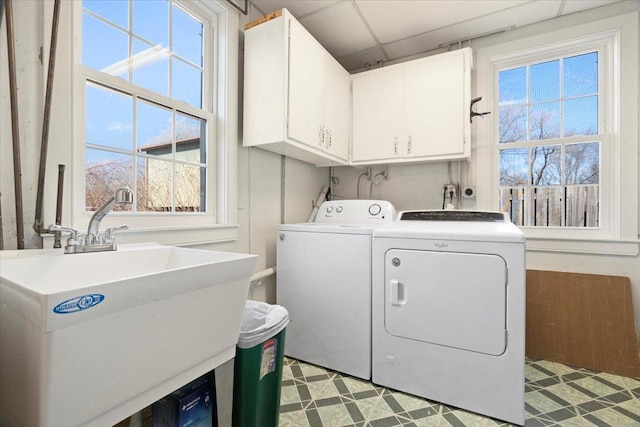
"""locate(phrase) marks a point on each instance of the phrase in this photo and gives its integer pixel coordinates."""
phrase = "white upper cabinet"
(298, 101)
(296, 96)
(377, 116)
(416, 111)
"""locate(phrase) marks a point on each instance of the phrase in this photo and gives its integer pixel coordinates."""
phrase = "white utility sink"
(89, 339)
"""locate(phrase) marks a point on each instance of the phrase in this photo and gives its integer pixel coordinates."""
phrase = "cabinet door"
(306, 81)
(435, 105)
(337, 84)
(377, 116)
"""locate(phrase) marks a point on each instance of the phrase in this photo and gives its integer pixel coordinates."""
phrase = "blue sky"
(167, 61)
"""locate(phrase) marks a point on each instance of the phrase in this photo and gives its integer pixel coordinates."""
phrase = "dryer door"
(447, 298)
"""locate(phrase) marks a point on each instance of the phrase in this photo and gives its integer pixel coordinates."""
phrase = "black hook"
(472, 113)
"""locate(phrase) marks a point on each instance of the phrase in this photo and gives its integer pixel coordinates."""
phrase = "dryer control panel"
(356, 212)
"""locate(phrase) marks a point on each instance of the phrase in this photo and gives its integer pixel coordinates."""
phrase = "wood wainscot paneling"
(583, 320)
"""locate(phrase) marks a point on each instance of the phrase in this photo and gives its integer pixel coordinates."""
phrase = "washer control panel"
(356, 212)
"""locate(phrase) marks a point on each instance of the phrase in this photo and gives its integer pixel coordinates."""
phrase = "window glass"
(106, 171)
(104, 47)
(544, 183)
(150, 68)
(109, 118)
(186, 37)
(137, 132)
(545, 81)
(151, 21)
(115, 11)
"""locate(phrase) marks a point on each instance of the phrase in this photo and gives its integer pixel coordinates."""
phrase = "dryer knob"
(339, 209)
(375, 209)
(329, 209)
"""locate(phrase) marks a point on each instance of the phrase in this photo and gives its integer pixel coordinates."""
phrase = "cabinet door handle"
(409, 144)
(395, 145)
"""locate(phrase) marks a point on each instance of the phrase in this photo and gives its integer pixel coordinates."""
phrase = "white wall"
(419, 186)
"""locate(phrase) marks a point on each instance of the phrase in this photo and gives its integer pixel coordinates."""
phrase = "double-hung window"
(551, 135)
(559, 151)
(148, 116)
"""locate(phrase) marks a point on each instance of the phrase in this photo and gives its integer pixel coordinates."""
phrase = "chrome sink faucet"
(93, 241)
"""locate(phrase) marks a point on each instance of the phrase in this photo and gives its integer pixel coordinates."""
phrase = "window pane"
(546, 204)
(116, 11)
(582, 163)
(581, 116)
(581, 75)
(154, 126)
(190, 139)
(186, 36)
(513, 124)
(545, 81)
(104, 47)
(189, 188)
(582, 208)
(513, 86)
(151, 21)
(546, 165)
(154, 185)
(109, 118)
(512, 202)
(151, 67)
(186, 83)
(105, 172)
(514, 167)
(545, 121)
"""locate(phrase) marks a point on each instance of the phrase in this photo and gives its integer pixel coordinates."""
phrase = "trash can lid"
(260, 322)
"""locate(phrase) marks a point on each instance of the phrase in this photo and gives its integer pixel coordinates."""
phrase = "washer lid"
(314, 227)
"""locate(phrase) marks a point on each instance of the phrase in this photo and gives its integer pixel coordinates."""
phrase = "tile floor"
(555, 395)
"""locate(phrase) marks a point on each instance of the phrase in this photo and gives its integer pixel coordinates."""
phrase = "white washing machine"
(449, 310)
(324, 281)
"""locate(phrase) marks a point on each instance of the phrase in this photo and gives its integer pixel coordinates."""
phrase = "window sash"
(84, 75)
(603, 45)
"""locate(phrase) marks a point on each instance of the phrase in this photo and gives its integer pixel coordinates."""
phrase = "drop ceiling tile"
(517, 16)
(417, 17)
(297, 7)
(339, 29)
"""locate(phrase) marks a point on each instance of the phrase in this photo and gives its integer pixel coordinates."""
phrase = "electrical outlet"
(450, 190)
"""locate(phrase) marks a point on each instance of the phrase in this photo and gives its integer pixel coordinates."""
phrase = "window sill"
(584, 246)
(171, 236)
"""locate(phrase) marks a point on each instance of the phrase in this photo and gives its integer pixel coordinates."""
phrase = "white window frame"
(527, 58)
(218, 223)
(618, 40)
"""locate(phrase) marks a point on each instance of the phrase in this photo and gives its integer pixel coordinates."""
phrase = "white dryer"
(324, 281)
(449, 310)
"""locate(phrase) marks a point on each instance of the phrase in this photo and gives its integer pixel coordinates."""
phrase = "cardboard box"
(193, 405)
(582, 320)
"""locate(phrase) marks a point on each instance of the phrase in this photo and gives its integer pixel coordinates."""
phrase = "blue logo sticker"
(80, 303)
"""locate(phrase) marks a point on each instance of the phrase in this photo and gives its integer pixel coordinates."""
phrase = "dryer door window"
(447, 298)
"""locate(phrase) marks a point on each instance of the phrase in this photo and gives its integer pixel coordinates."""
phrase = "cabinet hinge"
(506, 276)
(506, 338)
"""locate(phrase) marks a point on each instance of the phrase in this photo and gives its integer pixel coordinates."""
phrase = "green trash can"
(258, 365)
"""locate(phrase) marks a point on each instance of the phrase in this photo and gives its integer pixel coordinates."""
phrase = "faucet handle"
(73, 239)
(109, 234)
(73, 231)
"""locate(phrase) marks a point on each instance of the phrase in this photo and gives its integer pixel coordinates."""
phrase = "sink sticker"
(80, 303)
